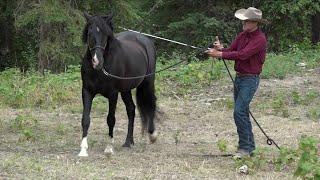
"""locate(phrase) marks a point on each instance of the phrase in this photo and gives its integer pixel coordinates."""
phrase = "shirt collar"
(253, 33)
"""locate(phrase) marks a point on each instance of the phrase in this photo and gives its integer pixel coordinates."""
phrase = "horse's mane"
(103, 22)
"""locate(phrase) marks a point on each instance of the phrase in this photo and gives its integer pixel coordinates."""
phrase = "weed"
(307, 156)
(229, 103)
(24, 121)
(285, 158)
(100, 104)
(61, 129)
(296, 97)
(28, 134)
(177, 137)
(255, 162)
(309, 162)
(311, 96)
(26, 125)
(1, 124)
(279, 105)
(222, 145)
(314, 114)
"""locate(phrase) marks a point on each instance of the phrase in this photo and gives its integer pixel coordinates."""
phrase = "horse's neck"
(113, 42)
(111, 49)
(113, 45)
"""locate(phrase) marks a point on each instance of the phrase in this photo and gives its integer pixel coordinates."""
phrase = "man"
(248, 50)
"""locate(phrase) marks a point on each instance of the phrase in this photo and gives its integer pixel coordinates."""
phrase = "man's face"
(249, 26)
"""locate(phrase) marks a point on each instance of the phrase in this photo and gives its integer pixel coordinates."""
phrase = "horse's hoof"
(127, 145)
(153, 137)
(83, 153)
(109, 150)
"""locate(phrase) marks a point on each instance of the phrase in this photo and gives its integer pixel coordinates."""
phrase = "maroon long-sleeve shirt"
(248, 50)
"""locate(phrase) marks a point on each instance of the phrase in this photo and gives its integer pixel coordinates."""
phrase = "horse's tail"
(146, 101)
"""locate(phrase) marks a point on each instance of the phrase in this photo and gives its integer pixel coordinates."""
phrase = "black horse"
(126, 54)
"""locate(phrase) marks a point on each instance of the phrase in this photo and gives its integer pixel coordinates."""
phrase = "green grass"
(281, 65)
(35, 90)
(55, 90)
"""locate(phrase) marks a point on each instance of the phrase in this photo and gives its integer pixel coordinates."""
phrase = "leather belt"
(246, 74)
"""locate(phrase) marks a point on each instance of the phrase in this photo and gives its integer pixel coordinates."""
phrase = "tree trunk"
(315, 29)
(6, 31)
(5, 38)
(73, 4)
(42, 60)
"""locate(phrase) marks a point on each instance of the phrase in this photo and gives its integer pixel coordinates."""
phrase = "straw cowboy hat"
(252, 14)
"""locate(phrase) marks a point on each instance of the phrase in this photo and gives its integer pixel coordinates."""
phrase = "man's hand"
(217, 45)
(214, 53)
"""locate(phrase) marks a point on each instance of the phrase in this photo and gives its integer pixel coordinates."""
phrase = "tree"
(46, 34)
(315, 28)
(54, 31)
(7, 34)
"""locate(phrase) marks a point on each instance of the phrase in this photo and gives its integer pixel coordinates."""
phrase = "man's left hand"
(214, 53)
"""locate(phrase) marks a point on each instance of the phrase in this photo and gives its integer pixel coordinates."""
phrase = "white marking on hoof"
(153, 137)
(83, 153)
(111, 140)
(84, 147)
(109, 150)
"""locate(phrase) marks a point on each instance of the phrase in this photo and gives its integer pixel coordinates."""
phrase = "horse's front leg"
(111, 120)
(87, 98)
(130, 107)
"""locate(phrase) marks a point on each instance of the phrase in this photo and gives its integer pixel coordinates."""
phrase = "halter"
(97, 46)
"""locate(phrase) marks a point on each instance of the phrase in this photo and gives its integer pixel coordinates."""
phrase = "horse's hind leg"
(111, 122)
(130, 107)
(87, 98)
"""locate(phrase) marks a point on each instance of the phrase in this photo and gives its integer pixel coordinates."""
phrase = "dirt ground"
(186, 148)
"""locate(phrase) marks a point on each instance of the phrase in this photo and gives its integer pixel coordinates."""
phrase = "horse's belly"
(127, 85)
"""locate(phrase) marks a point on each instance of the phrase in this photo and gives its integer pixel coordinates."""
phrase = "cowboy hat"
(252, 14)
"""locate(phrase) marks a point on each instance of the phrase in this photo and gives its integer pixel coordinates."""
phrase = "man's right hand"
(217, 45)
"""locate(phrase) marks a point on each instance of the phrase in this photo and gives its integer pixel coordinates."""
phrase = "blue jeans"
(244, 90)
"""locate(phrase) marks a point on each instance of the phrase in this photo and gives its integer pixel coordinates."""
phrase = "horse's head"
(97, 35)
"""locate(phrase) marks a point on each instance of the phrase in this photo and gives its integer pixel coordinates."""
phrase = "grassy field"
(40, 126)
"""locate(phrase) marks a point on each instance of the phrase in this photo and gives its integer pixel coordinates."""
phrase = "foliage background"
(45, 35)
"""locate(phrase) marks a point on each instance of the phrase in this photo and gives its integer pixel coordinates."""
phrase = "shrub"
(309, 163)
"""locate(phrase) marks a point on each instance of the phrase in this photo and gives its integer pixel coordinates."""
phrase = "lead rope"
(142, 76)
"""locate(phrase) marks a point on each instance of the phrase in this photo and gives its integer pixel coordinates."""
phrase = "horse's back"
(132, 36)
(141, 40)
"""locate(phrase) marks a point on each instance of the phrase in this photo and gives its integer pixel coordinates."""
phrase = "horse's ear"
(108, 20)
(87, 15)
(111, 16)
